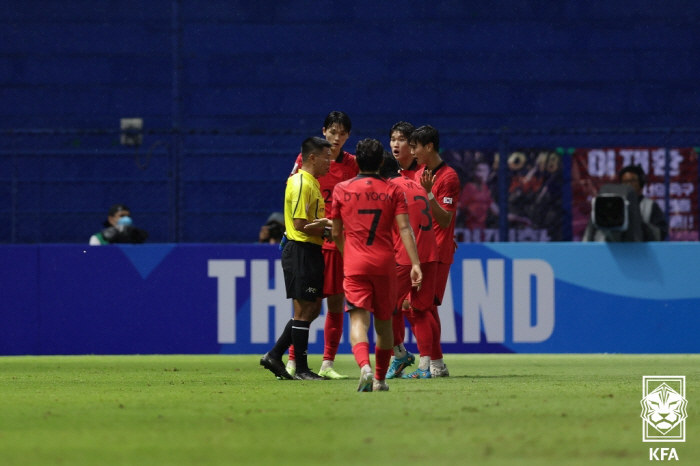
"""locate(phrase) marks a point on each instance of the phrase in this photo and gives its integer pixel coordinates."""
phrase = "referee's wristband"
(430, 196)
(326, 232)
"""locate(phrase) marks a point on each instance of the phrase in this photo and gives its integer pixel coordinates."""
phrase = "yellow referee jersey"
(303, 199)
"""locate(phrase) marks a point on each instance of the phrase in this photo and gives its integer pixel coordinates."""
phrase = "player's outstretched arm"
(442, 217)
(322, 224)
(337, 233)
(409, 242)
(315, 228)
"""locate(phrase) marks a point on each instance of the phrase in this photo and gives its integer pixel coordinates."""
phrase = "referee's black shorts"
(303, 265)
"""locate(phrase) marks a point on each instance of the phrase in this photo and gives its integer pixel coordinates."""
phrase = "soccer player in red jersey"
(336, 129)
(398, 141)
(364, 212)
(442, 185)
(421, 299)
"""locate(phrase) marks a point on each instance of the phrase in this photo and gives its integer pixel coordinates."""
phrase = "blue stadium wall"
(207, 299)
(278, 65)
(251, 79)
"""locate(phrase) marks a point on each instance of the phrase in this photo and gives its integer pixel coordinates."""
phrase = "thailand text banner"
(203, 299)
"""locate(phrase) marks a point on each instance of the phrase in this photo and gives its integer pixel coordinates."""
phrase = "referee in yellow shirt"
(302, 259)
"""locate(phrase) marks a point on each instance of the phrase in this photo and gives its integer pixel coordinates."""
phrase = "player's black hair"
(425, 135)
(312, 145)
(370, 154)
(402, 127)
(635, 170)
(339, 118)
(390, 168)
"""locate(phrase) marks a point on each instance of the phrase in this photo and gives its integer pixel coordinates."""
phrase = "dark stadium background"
(228, 90)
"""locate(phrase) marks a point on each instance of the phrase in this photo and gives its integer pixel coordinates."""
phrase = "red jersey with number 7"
(343, 168)
(368, 206)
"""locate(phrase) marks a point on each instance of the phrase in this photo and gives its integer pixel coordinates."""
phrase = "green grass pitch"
(211, 410)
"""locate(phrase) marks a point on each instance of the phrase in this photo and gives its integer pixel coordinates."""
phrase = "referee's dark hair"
(425, 135)
(390, 168)
(312, 145)
(338, 118)
(370, 154)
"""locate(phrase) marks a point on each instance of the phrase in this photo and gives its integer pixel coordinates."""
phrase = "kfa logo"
(662, 454)
(664, 409)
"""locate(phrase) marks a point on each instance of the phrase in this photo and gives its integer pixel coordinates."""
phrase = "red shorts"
(333, 272)
(376, 293)
(443, 273)
(421, 299)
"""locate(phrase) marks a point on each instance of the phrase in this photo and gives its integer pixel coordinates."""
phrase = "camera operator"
(654, 225)
(645, 217)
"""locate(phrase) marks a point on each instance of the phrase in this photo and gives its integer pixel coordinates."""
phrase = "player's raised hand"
(427, 180)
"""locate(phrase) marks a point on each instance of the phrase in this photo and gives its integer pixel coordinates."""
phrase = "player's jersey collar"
(339, 159)
(309, 177)
(365, 175)
(442, 164)
(413, 165)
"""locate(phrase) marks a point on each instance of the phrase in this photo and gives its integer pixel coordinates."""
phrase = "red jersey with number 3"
(421, 221)
(446, 191)
(368, 206)
(343, 168)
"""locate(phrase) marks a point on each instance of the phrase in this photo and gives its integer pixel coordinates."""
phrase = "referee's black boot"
(308, 376)
(276, 366)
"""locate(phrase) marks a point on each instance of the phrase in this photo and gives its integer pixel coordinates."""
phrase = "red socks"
(435, 325)
(436, 316)
(382, 358)
(332, 333)
(424, 332)
(361, 352)
(399, 328)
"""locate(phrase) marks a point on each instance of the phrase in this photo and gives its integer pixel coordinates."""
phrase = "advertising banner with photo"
(535, 209)
(592, 168)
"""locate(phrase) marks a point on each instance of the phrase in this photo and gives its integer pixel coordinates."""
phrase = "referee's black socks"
(283, 342)
(300, 339)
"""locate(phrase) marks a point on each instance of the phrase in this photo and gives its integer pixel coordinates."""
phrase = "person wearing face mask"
(119, 228)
